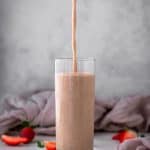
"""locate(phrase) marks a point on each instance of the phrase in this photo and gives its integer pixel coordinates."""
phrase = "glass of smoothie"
(75, 96)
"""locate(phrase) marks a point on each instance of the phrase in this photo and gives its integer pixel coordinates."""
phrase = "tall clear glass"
(75, 95)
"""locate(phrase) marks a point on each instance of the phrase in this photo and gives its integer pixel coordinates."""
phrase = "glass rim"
(78, 59)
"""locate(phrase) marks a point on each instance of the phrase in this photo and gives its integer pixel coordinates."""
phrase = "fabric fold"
(39, 108)
(136, 144)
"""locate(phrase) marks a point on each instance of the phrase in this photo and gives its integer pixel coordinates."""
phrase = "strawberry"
(28, 133)
(13, 140)
(124, 135)
(50, 145)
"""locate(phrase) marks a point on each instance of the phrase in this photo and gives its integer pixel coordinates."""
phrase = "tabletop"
(102, 141)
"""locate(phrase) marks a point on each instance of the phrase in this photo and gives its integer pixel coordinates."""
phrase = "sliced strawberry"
(119, 136)
(28, 133)
(130, 134)
(13, 140)
(50, 145)
(124, 135)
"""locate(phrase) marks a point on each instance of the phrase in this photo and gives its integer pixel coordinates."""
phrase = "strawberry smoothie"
(74, 111)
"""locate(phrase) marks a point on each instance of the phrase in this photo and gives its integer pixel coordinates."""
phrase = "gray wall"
(116, 32)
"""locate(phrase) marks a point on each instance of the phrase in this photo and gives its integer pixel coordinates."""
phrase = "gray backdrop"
(115, 32)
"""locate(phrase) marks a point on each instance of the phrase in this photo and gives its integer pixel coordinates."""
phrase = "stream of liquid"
(74, 42)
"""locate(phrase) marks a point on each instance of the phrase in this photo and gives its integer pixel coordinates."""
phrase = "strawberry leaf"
(25, 124)
(40, 144)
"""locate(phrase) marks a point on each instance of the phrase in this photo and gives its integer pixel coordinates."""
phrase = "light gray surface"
(116, 32)
(102, 141)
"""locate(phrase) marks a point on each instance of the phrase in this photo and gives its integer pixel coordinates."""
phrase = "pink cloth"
(38, 108)
(110, 115)
(136, 144)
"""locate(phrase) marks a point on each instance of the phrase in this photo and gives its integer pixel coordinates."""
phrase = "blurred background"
(35, 32)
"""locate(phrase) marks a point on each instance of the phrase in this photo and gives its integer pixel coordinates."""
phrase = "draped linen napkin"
(136, 144)
(110, 115)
